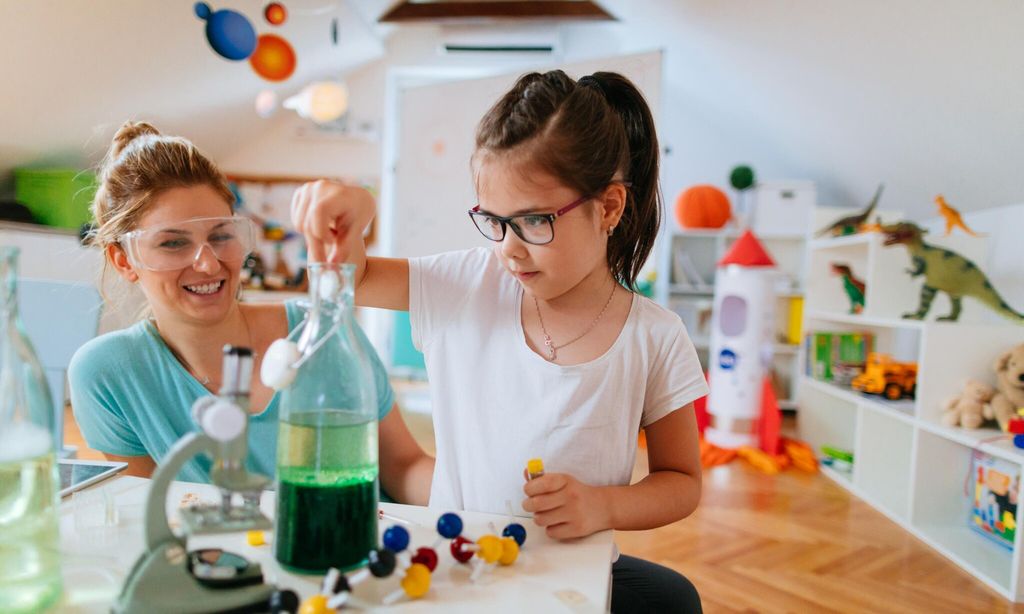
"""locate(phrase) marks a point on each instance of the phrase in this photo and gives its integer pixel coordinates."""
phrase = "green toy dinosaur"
(945, 271)
(853, 286)
(851, 224)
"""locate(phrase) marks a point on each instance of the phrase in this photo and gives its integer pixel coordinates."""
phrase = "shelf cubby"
(884, 480)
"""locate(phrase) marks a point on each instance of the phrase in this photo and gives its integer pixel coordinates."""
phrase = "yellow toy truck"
(884, 376)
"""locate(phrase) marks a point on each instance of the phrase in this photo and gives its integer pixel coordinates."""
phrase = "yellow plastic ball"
(416, 582)
(317, 604)
(509, 551)
(255, 538)
(490, 548)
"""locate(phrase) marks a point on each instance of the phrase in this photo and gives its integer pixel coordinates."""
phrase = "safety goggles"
(180, 244)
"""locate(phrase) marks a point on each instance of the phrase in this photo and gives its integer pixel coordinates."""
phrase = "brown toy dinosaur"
(953, 219)
(852, 223)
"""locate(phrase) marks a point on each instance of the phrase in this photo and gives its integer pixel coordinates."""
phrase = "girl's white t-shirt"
(497, 404)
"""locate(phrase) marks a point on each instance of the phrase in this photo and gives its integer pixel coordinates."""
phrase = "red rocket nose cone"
(747, 251)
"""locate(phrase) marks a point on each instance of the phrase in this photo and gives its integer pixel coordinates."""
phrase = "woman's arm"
(141, 466)
(406, 471)
(569, 508)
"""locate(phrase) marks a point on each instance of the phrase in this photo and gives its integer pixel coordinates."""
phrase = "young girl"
(538, 348)
(164, 220)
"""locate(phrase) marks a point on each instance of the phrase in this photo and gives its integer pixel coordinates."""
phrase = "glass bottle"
(30, 578)
(327, 471)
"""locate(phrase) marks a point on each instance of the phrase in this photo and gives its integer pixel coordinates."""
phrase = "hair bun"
(128, 132)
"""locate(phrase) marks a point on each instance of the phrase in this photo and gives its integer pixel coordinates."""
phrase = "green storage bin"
(56, 196)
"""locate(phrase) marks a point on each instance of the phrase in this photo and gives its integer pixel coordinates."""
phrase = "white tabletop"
(549, 575)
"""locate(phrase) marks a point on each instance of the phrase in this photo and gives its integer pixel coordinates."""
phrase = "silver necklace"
(552, 348)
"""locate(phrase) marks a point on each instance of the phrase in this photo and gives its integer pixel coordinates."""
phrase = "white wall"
(925, 95)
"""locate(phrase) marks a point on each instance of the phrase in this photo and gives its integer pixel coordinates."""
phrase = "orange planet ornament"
(275, 13)
(273, 59)
(703, 206)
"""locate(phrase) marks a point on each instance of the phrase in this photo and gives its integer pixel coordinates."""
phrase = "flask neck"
(331, 283)
(8, 285)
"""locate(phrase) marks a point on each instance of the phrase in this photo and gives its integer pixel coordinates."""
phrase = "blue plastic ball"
(1018, 440)
(449, 525)
(228, 32)
(396, 538)
(516, 531)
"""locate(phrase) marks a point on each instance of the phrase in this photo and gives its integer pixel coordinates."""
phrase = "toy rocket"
(742, 330)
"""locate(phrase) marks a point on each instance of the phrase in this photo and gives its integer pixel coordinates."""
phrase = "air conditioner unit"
(525, 39)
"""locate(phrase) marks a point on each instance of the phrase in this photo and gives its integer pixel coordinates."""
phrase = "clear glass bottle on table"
(30, 576)
(327, 469)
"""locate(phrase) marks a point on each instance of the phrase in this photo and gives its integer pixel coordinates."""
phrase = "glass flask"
(30, 577)
(327, 470)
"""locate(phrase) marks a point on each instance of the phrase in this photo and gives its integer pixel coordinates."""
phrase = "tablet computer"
(77, 474)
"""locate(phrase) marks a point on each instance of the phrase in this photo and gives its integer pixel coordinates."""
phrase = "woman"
(163, 216)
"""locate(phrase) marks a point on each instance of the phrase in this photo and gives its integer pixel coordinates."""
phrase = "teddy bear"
(1009, 398)
(970, 408)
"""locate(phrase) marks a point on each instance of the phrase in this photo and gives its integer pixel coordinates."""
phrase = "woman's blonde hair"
(140, 165)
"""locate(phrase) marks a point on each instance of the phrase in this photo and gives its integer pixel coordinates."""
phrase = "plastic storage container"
(56, 196)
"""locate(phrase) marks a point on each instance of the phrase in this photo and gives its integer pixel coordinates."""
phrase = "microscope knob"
(224, 421)
(200, 406)
(277, 371)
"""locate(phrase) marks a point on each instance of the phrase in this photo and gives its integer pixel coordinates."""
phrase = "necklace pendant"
(551, 347)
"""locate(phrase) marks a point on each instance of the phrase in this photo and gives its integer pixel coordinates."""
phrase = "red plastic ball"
(426, 557)
(461, 555)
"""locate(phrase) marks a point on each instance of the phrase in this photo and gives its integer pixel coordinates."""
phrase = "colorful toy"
(702, 206)
(1009, 397)
(742, 331)
(273, 59)
(852, 224)
(970, 408)
(854, 287)
(229, 33)
(534, 468)
(994, 504)
(945, 271)
(233, 37)
(275, 13)
(837, 357)
(884, 376)
(394, 555)
(952, 216)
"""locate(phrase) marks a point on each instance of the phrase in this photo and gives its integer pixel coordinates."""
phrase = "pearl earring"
(611, 229)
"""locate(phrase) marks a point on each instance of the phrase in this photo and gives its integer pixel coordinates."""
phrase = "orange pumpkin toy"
(702, 206)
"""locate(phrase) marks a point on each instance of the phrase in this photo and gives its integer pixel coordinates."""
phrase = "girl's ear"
(119, 259)
(613, 203)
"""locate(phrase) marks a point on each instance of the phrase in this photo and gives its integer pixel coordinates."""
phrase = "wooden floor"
(790, 543)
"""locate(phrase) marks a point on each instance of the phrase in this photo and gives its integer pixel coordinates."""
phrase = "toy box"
(837, 357)
(996, 487)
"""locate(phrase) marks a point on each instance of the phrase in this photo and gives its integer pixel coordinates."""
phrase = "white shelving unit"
(907, 464)
(693, 301)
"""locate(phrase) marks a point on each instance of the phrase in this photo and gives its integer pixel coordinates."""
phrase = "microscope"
(170, 578)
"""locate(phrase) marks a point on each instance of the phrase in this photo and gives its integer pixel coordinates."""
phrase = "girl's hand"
(567, 507)
(331, 216)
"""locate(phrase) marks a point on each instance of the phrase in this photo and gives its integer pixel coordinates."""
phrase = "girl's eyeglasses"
(534, 228)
